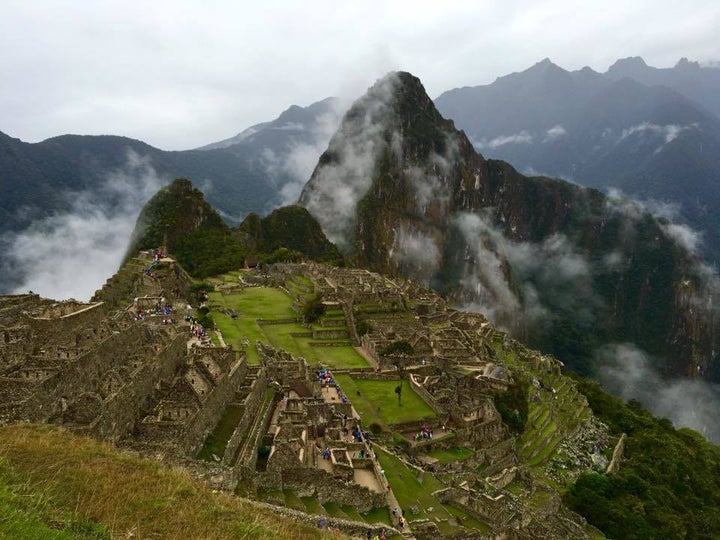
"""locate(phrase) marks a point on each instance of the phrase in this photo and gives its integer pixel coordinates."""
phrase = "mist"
(333, 192)
(628, 372)
(72, 254)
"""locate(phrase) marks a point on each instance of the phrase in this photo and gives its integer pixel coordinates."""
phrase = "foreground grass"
(54, 484)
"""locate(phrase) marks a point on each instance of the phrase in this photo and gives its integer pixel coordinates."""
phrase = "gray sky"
(180, 74)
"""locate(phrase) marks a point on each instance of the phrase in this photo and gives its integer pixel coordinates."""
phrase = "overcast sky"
(180, 74)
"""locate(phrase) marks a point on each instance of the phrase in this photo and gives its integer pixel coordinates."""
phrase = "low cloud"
(70, 255)
(291, 170)
(415, 253)
(668, 132)
(347, 174)
(630, 373)
(554, 133)
(669, 213)
(518, 138)
(548, 276)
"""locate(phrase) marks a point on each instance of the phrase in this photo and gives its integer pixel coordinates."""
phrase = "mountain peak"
(686, 64)
(627, 66)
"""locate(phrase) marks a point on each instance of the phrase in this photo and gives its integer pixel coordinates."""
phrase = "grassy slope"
(54, 484)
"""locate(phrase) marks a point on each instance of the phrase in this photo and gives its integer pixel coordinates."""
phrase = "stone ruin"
(127, 367)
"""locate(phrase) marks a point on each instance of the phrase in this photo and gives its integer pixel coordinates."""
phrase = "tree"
(313, 309)
(398, 353)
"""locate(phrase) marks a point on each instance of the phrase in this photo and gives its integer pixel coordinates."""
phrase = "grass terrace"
(273, 304)
(377, 401)
(217, 441)
(451, 455)
(411, 491)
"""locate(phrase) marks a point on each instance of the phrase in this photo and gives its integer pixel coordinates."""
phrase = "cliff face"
(401, 191)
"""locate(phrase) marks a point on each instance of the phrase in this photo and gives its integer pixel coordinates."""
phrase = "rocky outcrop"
(401, 191)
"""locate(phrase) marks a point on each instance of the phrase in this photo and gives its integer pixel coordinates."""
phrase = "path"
(366, 355)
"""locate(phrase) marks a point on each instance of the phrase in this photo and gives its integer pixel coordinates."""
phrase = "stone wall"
(253, 404)
(198, 428)
(320, 484)
(123, 409)
(330, 333)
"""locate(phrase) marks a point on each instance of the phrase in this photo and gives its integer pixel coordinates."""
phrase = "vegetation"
(57, 485)
(513, 404)
(287, 234)
(376, 401)
(313, 309)
(269, 303)
(668, 485)
(217, 441)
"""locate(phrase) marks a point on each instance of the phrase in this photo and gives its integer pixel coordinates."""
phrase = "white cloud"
(122, 67)
(669, 132)
(555, 132)
(518, 138)
(70, 255)
(341, 182)
(631, 373)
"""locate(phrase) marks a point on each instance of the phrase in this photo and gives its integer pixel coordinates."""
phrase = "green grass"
(293, 501)
(219, 437)
(377, 515)
(269, 303)
(450, 455)
(57, 485)
(468, 521)
(28, 517)
(313, 506)
(253, 303)
(411, 492)
(279, 335)
(351, 512)
(334, 510)
(378, 401)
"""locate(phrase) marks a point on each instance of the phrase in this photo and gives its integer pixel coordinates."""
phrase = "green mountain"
(566, 269)
(179, 219)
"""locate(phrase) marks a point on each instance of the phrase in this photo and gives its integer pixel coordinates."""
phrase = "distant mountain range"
(657, 143)
(258, 170)
(651, 133)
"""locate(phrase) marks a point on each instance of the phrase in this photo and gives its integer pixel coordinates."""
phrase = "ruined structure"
(135, 367)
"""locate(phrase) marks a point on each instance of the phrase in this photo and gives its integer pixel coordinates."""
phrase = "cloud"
(70, 255)
(669, 132)
(554, 133)
(668, 213)
(630, 373)
(291, 170)
(546, 277)
(415, 253)
(518, 138)
(346, 174)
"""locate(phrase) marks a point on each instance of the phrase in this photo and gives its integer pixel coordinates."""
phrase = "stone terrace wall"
(253, 405)
(200, 426)
(320, 484)
(126, 407)
(85, 374)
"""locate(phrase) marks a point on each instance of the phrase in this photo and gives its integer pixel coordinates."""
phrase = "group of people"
(196, 329)
(424, 433)
(164, 310)
(324, 377)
